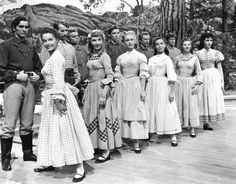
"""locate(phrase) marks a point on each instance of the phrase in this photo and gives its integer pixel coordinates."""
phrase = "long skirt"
(132, 112)
(63, 139)
(102, 123)
(163, 115)
(210, 97)
(186, 102)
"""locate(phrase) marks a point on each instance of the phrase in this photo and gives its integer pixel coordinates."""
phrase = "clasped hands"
(195, 87)
(24, 76)
(60, 106)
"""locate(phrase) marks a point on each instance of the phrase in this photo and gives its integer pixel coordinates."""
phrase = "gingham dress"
(210, 96)
(63, 139)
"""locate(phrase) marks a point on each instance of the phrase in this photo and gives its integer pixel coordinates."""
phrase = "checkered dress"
(210, 95)
(63, 139)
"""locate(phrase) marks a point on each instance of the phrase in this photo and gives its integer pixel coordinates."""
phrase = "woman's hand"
(222, 87)
(60, 106)
(171, 97)
(102, 102)
(142, 95)
(22, 76)
(33, 76)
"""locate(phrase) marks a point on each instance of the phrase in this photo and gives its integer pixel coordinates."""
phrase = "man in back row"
(144, 44)
(114, 47)
(173, 51)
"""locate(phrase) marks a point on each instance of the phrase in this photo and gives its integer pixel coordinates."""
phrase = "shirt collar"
(131, 52)
(170, 48)
(17, 41)
(204, 50)
(114, 43)
(143, 47)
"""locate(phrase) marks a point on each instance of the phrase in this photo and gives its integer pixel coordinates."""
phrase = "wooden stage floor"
(208, 159)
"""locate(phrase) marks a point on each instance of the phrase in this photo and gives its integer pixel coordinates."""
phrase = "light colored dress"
(189, 72)
(164, 118)
(131, 67)
(102, 123)
(210, 96)
(63, 139)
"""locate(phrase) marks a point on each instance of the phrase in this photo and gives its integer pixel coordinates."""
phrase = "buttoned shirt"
(147, 51)
(17, 55)
(114, 50)
(82, 59)
(173, 52)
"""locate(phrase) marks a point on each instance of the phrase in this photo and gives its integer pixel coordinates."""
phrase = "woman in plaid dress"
(210, 96)
(99, 110)
(63, 137)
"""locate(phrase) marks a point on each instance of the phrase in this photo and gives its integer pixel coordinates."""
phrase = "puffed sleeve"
(143, 69)
(171, 75)
(219, 56)
(57, 65)
(198, 70)
(106, 62)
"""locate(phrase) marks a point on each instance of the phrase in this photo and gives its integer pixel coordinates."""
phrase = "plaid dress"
(63, 139)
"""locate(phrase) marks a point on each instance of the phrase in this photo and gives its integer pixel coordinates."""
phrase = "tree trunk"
(224, 16)
(173, 18)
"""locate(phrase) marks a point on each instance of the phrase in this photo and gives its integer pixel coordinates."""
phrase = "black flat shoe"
(193, 135)
(44, 168)
(75, 179)
(206, 126)
(102, 159)
(137, 151)
(174, 143)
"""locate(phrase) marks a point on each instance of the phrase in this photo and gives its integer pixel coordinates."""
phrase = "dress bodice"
(209, 58)
(159, 65)
(54, 69)
(132, 64)
(186, 66)
(99, 67)
(53, 72)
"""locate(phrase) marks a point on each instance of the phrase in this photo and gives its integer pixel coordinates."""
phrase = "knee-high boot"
(6, 145)
(27, 148)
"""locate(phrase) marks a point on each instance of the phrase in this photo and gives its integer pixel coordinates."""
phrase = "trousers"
(18, 104)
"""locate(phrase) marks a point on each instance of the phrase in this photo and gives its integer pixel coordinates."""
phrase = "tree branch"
(127, 4)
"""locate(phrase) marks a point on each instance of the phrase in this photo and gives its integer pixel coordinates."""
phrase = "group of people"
(130, 92)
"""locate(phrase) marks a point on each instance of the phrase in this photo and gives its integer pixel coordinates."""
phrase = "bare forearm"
(143, 83)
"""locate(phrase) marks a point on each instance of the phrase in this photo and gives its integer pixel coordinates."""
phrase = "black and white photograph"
(118, 91)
